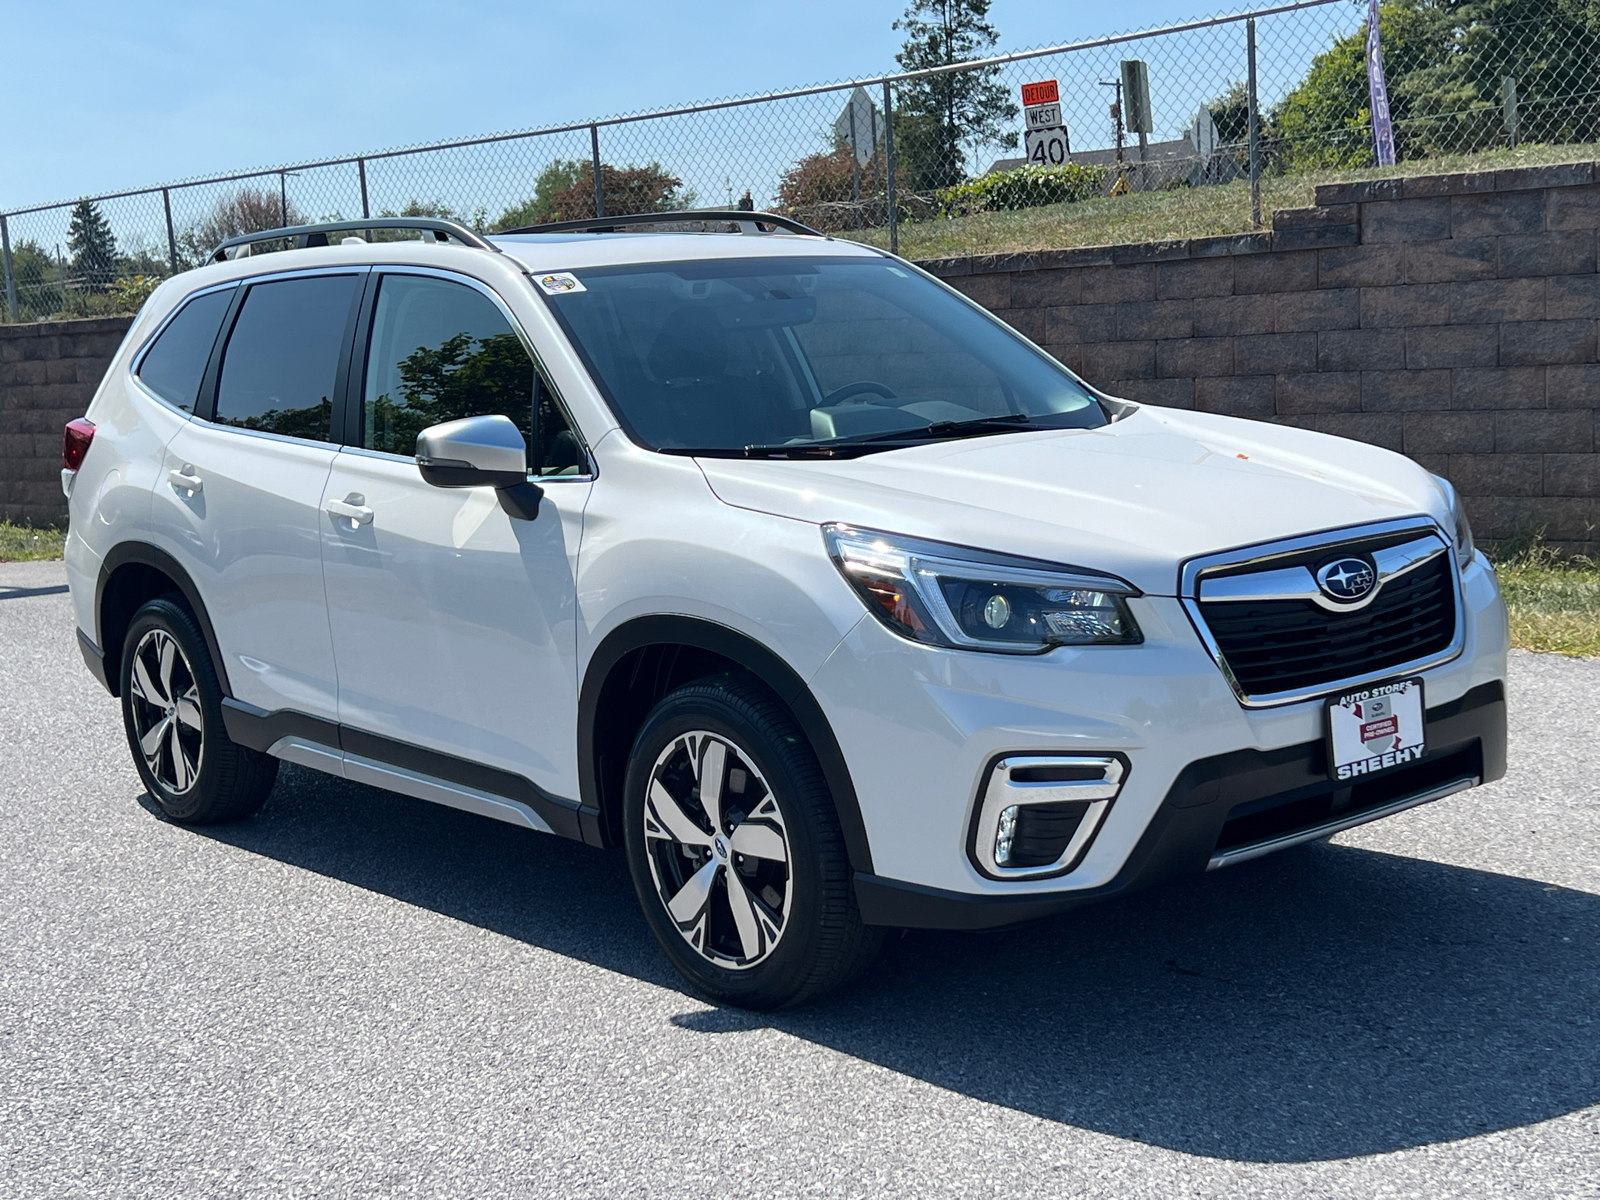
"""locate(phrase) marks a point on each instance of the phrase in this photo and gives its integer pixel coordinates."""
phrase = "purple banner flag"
(1382, 127)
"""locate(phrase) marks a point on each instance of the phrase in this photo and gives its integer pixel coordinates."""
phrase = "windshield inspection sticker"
(560, 283)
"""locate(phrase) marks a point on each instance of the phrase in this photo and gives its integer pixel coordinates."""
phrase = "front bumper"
(920, 729)
(1232, 807)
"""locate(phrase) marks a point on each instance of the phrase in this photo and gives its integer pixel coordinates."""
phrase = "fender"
(753, 657)
(144, 554)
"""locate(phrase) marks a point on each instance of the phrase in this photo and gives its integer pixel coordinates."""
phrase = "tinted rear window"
(174, 364)
(282, 359)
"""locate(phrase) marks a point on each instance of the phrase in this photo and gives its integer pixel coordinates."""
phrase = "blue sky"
(103, 96)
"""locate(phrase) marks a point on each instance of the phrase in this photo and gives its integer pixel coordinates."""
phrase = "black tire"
(820, 943)
(197, 775)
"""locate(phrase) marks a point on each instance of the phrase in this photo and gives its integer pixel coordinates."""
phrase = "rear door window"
(281, 364)
(174, 364)
(442, 350)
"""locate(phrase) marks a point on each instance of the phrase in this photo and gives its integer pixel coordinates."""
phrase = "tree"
(37, 277)
(247, 210)
(94, 248)
(1230, 114)
(937, 114)
(820, 189)
(1445, 61)
(413, 207)
(627, 190)
(562, 175)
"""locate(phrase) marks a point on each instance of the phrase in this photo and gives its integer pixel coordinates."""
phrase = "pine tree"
(94, 249)
(937, 114)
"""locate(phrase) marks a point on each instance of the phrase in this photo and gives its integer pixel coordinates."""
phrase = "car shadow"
(1320, 1004)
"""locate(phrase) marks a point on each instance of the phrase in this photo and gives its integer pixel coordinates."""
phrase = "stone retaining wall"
(1450, 317)
(48, 375)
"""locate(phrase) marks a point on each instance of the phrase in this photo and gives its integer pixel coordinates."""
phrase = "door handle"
(352, 508)
(185, 478)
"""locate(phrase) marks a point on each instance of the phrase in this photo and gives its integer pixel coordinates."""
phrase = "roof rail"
(317, 235)
(748, 222)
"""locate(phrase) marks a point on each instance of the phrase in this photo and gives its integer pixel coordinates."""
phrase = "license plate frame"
(1358, 723)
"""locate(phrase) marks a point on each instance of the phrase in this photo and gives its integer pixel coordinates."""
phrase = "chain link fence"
(1193, 129)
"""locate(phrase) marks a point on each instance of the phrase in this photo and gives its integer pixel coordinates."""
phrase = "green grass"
(21, 543)
(1554, 602)
(1181, 213)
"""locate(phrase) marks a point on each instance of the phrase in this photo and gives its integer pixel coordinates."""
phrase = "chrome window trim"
(1194, 570)
(246, 281)
(522, 335)
(391, 456)
(139, 355)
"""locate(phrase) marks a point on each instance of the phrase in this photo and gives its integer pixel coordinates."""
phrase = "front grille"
(1276, 646)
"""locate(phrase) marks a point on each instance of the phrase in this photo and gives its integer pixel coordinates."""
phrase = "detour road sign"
(1040, 93)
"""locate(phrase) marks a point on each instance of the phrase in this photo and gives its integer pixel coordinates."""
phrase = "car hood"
(1135, 498)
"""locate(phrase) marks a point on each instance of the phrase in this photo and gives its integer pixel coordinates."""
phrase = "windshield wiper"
(886, 439)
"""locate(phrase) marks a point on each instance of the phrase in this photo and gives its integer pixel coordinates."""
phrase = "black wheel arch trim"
(95, 659)
(260, 729)
(751, 655)
(144, 554)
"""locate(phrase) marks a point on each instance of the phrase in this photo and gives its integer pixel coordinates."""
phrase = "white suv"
(765, 556)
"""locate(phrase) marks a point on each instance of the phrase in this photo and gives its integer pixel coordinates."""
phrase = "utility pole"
(1120, 187)
(1255, 127)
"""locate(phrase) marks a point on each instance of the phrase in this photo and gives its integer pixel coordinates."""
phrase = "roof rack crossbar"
(748, 222)
(317, 234)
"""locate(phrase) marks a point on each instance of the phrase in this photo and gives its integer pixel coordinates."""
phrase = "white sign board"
(1046, 147)
(1043, 116)
(860, 126)
(1205, 135)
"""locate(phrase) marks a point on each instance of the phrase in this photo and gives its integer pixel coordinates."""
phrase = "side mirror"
(480, 452)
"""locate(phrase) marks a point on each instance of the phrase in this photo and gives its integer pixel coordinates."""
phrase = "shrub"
(820, 190)
(129, 293)
(627, 190)
(1025, 187)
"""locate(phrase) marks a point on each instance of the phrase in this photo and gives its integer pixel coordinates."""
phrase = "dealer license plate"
(1375, 729)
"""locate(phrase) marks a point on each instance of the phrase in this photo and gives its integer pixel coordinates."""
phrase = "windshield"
(794, 355)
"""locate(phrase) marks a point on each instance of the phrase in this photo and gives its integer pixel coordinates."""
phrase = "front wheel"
(735, 849)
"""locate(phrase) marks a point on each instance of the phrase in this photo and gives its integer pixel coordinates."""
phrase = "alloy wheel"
(718, 850)
(167, 719)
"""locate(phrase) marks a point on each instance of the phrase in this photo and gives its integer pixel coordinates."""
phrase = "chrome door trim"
(318, 757)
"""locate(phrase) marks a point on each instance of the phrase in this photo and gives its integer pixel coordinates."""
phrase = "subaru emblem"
(1347, 580)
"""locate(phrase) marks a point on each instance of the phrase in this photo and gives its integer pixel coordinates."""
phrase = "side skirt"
(400, 767)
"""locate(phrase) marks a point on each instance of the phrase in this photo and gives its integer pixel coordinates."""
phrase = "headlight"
(1458, 514)
(971, 600)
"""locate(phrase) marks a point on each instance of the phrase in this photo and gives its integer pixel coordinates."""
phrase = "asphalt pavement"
(359, 994)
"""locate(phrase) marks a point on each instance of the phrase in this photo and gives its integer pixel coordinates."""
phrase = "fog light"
(1003, 834)
(997, 612)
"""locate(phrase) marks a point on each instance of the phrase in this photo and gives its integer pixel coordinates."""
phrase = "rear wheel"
(172, 710)
(735, 849)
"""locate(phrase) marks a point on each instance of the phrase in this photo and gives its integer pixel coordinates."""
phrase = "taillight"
(80, 433)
